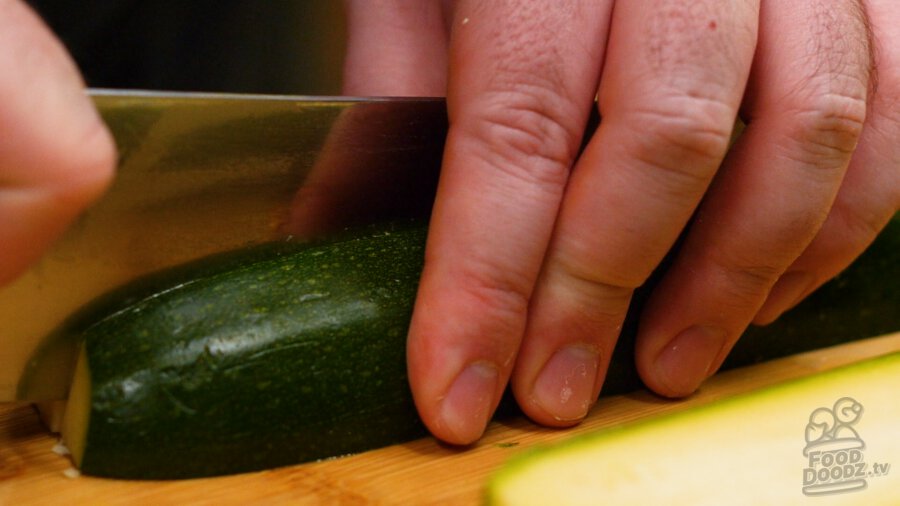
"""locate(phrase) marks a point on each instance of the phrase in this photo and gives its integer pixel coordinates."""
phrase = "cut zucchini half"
(830, 438)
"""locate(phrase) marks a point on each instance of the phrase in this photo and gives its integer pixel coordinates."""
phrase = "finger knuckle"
(598, 297)
(827, 127)
(746, 283)
(501, 295)
(583, 270)
(684, 138)
(826, 100)
(861, 221)
(522, 134)
(690, 131)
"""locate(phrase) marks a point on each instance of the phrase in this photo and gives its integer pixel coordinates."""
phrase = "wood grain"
(420, 472)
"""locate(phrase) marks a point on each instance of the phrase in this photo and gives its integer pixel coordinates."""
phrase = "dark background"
(261, 46)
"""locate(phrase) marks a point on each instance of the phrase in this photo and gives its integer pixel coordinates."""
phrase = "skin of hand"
(536, 247)
(56, 155)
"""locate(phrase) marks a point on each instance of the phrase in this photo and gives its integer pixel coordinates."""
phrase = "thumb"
(56, 156)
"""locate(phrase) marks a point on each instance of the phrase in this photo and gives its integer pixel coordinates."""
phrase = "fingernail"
(786, 292)
(469, 402)
(686, 361)
(565, 387)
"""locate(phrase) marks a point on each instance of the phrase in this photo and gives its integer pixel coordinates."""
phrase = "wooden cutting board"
(421, 472)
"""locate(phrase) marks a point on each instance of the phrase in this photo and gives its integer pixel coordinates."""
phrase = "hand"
(56, 155)
(534, 251)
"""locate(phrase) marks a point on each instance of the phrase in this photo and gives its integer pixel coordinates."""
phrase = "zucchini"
(297, 352)
(285, 359)
(831, 437)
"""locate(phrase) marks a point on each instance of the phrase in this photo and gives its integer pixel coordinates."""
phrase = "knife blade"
(201, 174)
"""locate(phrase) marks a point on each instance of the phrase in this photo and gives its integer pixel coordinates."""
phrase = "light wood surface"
(420, 472)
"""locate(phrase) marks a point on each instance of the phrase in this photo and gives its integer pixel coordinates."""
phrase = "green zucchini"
(285, 359)
(297, 353)
(829, 438)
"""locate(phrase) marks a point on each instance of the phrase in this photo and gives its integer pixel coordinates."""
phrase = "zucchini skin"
(299, 354)
(862, 301)
(283, 360)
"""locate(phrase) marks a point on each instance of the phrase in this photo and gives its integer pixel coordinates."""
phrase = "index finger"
(523, 75)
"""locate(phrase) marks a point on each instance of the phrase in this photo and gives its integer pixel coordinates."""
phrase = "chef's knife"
(201, 174)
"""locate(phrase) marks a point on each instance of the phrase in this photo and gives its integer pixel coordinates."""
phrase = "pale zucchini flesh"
(77, 415)
(750, 449)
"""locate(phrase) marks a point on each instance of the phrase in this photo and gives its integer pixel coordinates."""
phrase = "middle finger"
(669, 94)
